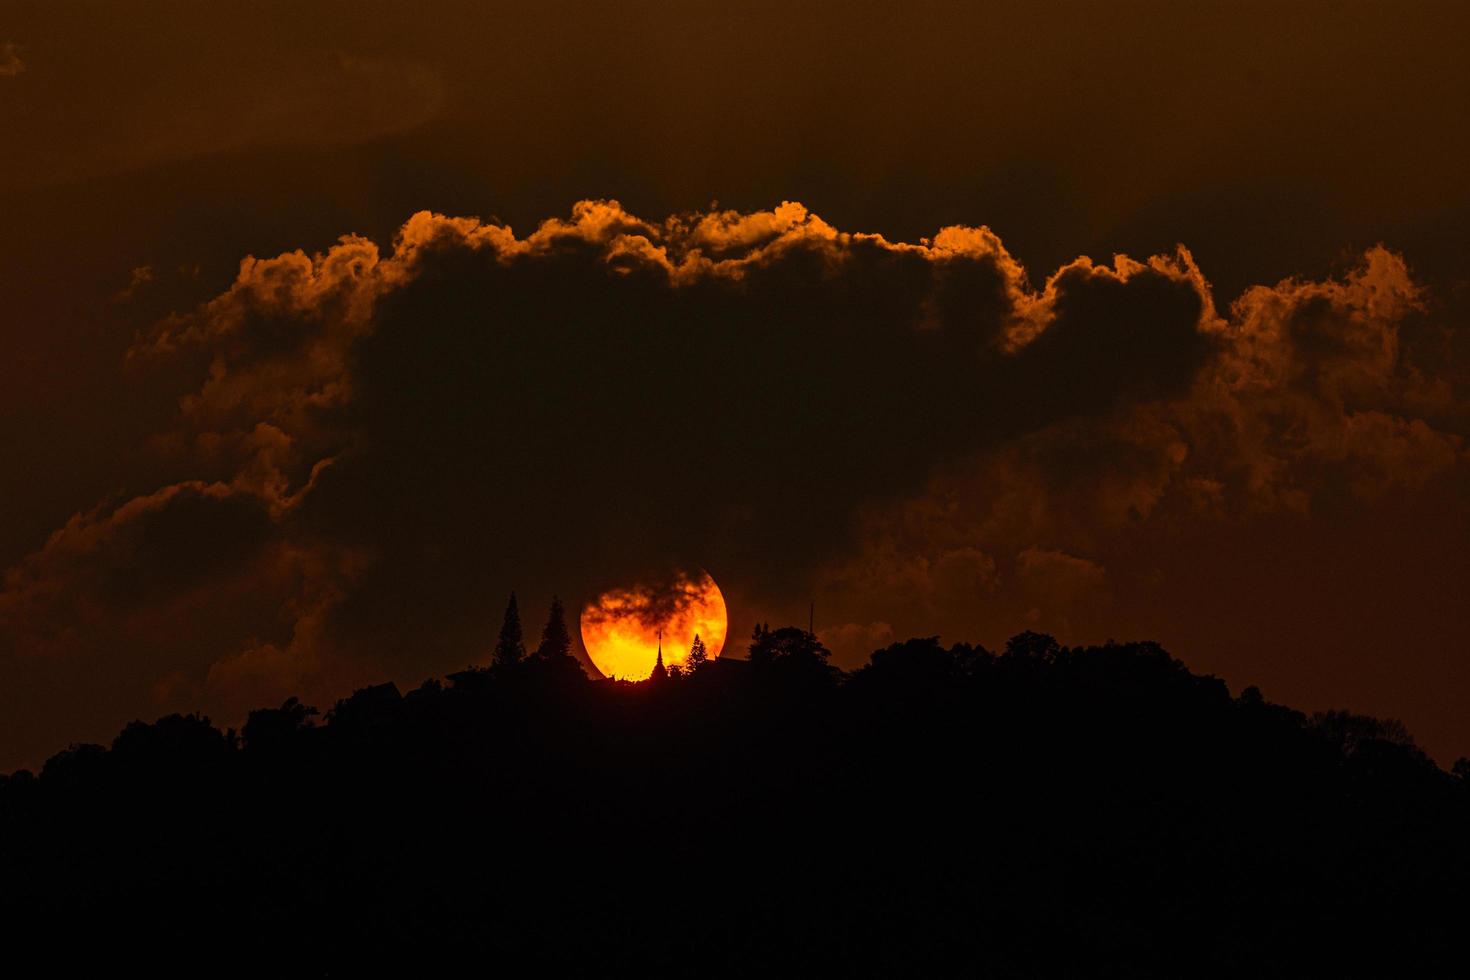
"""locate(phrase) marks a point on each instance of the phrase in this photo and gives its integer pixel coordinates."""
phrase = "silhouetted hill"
(1043, 811)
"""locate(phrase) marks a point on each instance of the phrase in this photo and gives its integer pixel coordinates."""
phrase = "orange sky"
(218, 492)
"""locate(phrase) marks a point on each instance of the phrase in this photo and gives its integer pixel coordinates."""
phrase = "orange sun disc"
(621, 628)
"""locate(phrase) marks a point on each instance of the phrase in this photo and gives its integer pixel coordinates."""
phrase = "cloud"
(140, 277)
(10, 60)
(129, 608)
(1315, 382)
(303, 98)
(388, 442)
(652, 603)
(678, 384)
(1317, 396)
(1056, 575)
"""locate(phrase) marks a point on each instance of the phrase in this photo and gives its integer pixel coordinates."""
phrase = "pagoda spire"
(660, 673)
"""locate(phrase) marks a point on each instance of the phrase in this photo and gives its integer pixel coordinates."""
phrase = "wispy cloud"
(10, 60)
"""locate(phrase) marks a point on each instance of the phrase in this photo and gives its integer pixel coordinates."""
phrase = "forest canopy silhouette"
(1042, 809)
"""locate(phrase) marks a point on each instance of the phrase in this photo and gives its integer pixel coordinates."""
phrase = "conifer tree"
(698, 656)
(555, 640)
(510, 650)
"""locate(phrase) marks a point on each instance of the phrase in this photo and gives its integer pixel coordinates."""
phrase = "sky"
(327, 325)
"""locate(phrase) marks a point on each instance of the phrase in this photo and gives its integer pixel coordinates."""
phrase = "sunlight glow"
(620, 628)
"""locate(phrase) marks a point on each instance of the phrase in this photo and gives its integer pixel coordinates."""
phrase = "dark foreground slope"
(1090, 812)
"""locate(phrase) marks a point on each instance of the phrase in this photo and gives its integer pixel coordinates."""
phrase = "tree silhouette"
(184, 740)
(1030, 646)
(947, 783)
(510, 649)
(698, 656)
(760, 643)
(788, 644)
(556, 642)
(271, 728)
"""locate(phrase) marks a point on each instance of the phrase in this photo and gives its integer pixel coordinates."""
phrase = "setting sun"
(621, 628)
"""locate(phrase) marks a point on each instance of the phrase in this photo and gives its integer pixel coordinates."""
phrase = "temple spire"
(660, 673)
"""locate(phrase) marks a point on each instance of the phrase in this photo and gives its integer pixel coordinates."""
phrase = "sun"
(621, 627)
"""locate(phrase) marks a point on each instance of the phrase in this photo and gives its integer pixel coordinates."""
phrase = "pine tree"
(510, 650)
(698, 656)
(556, 642)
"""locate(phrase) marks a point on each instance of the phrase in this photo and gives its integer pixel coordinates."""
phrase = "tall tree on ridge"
(509, 649)
(556, 642)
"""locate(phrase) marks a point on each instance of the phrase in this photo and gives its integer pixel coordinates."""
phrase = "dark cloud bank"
(378, 447)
